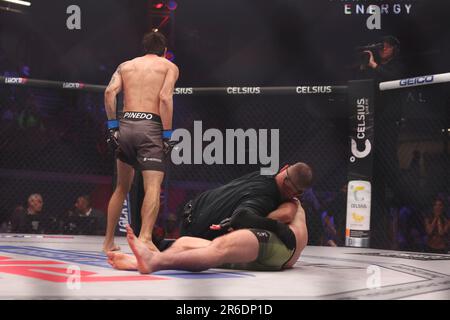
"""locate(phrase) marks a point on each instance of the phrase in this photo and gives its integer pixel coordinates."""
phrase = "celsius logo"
(362, 108)
(416, 81)
(184, 91)
(243, 90)
(356, 190)
(15, 80)
(313, 89)
(73, 85)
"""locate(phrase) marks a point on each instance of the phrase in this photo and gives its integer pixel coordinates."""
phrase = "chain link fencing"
(53, 143)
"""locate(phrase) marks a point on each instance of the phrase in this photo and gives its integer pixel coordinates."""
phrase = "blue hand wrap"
(167, 134)
(113, 124)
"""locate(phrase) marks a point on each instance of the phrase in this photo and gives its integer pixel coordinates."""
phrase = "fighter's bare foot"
(107, 247)
(150, 245)
(141, 251)
(122, 261)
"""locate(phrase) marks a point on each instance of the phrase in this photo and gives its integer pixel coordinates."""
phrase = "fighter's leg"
(125, 175)
(123, 261)
(240, 246)
(150, 205)
(188, 243)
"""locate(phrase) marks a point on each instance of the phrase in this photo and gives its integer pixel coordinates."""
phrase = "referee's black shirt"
(253, 192)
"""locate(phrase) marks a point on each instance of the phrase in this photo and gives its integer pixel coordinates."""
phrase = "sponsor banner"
(243, 90)
(416, 81)
(261, 90)
(12, 80)
(313, 89)
(357, 229)
(361, 99)
(125, 217)
(72, 85)
(292, 90)
(186, 91)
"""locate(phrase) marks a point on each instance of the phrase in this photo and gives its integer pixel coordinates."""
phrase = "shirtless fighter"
(141, 138)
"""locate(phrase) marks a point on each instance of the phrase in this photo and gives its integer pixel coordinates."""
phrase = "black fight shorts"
(140, 141)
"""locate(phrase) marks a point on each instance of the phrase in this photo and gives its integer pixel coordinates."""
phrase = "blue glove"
(112, 135)
(168, 143)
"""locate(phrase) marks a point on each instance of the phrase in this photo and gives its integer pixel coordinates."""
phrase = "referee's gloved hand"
(168, 143)
(112, 135)
(230, 223)
(225, 224)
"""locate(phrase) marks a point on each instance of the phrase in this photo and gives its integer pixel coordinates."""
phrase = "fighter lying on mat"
(249, 249)
(244, 203)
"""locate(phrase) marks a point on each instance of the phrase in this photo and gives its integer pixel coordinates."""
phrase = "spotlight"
(26, 70)
(20, 2)
(158, 5)
(170, 56)
(172, 5)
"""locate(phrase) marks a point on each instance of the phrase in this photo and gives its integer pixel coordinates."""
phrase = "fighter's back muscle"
(143, 78)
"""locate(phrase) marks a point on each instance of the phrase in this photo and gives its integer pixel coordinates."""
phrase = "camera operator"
(381, 61)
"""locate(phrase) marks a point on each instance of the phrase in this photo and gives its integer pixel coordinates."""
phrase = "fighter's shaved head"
(301, 175)
(293, 180)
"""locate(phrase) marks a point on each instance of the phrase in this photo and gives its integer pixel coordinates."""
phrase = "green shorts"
(272, 256)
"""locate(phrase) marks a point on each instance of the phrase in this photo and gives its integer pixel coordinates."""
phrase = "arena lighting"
(20, 2)
(10, 9)
(170, 56)
(172, 5)
(158, 5)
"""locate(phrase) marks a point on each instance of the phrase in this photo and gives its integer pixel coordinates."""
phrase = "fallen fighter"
(242, 247)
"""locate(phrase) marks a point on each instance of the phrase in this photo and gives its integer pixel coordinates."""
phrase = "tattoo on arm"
(114, 76)
(110, 99)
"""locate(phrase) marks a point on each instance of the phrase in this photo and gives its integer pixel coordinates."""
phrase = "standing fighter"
(145, 128)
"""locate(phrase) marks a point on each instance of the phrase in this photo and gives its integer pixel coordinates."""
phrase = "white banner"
(358, 213)
(125, 216)
(416, 81)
